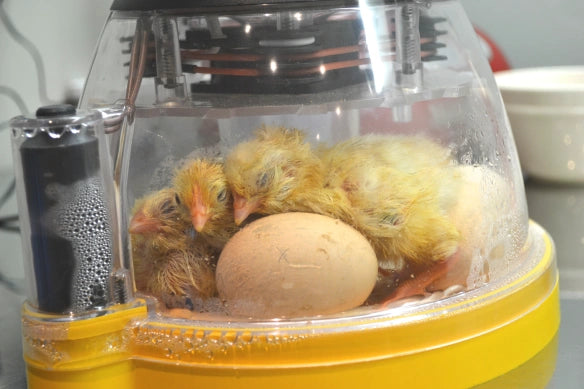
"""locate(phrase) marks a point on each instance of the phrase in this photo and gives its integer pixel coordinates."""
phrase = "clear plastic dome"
(300, 160)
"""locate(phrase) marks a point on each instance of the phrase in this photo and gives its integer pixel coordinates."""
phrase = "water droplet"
(56, 132)
(75, 128)
(30, 132)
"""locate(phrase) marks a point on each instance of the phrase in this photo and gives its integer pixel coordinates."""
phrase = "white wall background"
(65, 32)
(530, 33)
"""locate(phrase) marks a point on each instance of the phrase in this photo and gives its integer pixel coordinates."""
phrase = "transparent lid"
(306, 161)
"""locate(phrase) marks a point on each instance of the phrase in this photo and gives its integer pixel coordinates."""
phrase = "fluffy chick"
(395, 190)
(401, 189)
(277, 171)
(168, 258)
(202, 189)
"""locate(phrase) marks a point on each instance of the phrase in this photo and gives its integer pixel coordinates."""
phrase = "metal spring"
(120, 287)
(410, 48)
(285, 21)
(167, 54)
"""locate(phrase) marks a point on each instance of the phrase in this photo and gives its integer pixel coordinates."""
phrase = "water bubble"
(56, 132)
(466, 158)
(82, 208)
(75, 128)
(30, 132)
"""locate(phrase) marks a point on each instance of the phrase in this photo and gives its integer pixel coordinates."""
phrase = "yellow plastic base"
(488, 338)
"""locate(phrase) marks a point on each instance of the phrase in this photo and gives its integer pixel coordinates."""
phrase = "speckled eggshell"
(295, 265)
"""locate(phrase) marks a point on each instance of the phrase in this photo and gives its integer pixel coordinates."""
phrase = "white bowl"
(545, 107)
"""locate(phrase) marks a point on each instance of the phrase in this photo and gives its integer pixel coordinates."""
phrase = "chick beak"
(243, 207)
(142, 224)
(199, 214)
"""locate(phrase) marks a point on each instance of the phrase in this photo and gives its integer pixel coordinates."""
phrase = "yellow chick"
(168, 257)
(394, 190)
(277, 172)
(401, 189)
(203, 191)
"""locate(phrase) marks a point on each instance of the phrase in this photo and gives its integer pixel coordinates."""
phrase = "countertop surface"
(558, 208)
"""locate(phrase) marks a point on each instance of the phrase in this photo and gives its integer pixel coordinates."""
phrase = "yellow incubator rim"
(462, 341)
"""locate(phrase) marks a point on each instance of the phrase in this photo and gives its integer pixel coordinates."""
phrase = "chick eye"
(262, 180)
(166, 207)
(177, 198)
(222, 195)
(392, 219)
(191, 233)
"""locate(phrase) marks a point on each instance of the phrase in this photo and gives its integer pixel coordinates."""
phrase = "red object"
(494, 54)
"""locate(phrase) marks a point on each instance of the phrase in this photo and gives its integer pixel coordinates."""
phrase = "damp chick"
(395, 190)
(168, 257)
(401, 190)
(277, 171)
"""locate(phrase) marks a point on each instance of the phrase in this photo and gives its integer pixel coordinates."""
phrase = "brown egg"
(295, 265)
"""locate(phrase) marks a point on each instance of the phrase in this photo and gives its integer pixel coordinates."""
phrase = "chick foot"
(416, 279)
